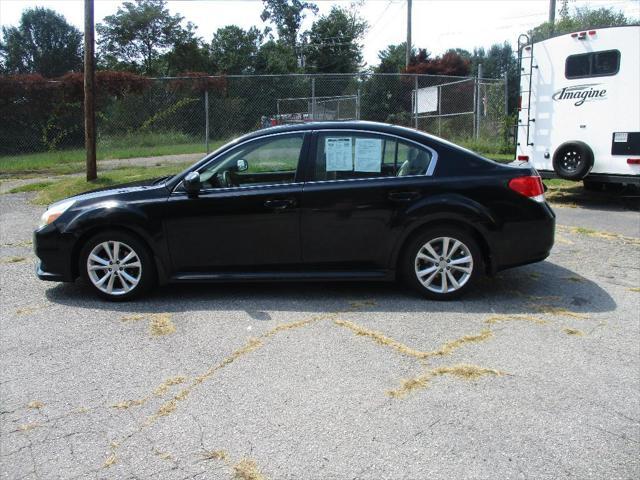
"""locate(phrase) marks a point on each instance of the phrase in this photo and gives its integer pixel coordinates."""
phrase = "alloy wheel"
(114, 267)
(443, 265)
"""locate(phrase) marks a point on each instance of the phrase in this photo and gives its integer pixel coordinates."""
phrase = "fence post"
(313, 98)
(358, 105)
(439, 110)
(505, 118)
(415, 106)
(206, 119)
(478, 100)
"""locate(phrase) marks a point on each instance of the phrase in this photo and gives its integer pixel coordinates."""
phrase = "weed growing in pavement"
(13, 259)
(215, 455)
(573, 331)
(498, 318)
(161, 324)
(247, 469)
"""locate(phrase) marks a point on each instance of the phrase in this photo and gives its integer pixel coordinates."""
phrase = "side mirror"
(242, 165)
(192, 183)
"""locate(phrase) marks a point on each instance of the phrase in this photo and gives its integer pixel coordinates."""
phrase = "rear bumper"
(521, 243)
(54, 251)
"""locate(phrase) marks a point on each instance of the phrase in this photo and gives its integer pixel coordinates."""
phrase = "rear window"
(593, 64)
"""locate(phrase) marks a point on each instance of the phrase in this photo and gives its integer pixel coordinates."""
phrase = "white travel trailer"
(579, 111)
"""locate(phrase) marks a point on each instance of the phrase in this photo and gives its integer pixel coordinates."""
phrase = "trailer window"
(606, 63)
(594, 64)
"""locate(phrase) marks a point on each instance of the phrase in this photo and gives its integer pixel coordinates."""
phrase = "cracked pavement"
(535, 374)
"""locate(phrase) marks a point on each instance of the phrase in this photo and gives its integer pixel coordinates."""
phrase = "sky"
(437, 24)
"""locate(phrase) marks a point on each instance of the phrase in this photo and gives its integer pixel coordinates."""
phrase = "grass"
(500, 157)
(30, 187)
(572, 194)
(49, 192)
(109, 148)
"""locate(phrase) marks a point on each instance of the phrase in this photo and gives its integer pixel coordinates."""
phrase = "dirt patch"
(36, 405)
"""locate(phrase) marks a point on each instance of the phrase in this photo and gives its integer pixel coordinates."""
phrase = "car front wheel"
(442, 263)
(117, 266)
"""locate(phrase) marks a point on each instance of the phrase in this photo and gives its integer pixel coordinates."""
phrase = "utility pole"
(89, 92)
(552, 14)
(408, 50)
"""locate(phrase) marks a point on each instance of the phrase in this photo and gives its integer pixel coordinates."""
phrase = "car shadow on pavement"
(525, 290)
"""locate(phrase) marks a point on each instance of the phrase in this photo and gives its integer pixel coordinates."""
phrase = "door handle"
(280, 204)
(403, 196)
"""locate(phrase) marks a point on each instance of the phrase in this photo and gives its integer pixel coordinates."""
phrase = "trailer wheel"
(573, 161)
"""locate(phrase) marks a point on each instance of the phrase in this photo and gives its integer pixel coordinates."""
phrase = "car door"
(358, 184)
(246, 216)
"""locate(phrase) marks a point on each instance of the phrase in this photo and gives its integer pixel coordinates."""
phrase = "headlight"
(54, 212)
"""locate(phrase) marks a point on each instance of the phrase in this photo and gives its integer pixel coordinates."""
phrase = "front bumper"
(55, 254)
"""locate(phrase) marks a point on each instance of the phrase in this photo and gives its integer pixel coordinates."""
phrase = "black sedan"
(319, 201)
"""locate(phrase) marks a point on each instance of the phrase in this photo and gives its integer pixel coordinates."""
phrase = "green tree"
(287, 16)
(276, 57)
(583, 18)
(392, 58)
(333, 42)
(234, 50)
(497, 62)
(189, 55)
(139, 34)
(43, 42)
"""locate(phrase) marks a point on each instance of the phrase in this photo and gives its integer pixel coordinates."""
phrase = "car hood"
(119, 190)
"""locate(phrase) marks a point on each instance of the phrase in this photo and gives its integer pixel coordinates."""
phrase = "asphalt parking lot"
(535, 374)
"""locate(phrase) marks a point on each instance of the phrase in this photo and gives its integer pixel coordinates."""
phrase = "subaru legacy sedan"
(316, 201)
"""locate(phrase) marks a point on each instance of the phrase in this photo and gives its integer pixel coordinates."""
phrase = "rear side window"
(362, 155)
(593, 64)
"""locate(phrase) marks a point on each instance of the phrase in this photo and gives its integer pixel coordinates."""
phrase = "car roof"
(343, 125)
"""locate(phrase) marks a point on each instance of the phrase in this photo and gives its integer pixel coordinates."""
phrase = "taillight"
(529, 187)
(633, 161)
(523, 158)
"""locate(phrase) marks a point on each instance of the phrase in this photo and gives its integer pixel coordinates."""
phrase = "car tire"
(117, 266)
(445, 276)
(573, 161)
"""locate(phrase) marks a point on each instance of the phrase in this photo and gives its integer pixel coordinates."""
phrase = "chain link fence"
(195, 114)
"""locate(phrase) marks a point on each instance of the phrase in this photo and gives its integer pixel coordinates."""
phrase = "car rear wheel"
(117, 266)
(442, 263)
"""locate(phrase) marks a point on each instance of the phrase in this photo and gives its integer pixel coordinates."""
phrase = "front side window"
(361, 155)
(267, 161)
(593, 64)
